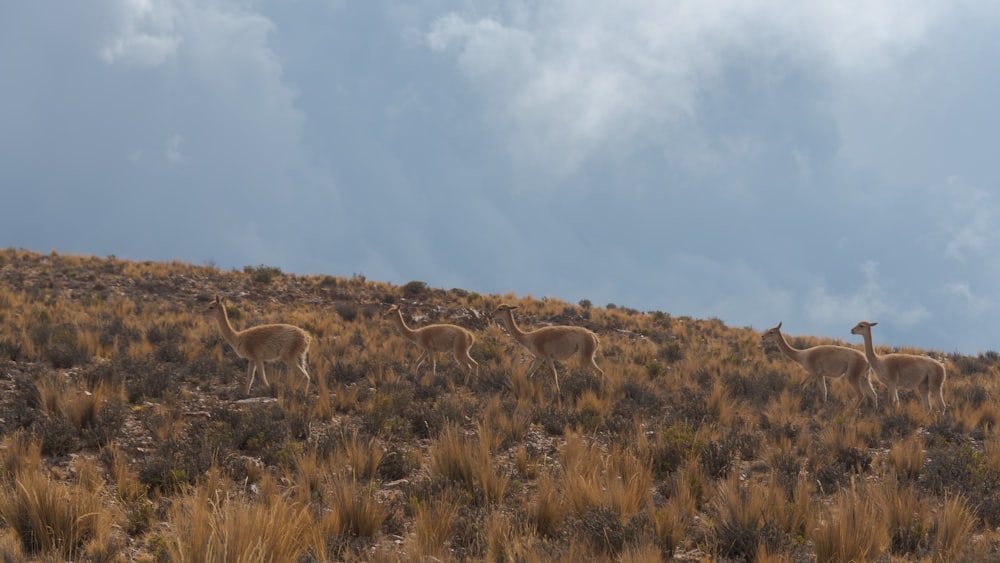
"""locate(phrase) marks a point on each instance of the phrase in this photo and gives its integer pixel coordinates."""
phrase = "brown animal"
(264, 343)
(828, 361)
(436, 338)
(908, 371)
(552, 343)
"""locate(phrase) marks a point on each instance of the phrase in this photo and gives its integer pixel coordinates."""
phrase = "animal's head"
(863, 327)
(215, 306)
(504, 308)
(391, 310)
(771, 334)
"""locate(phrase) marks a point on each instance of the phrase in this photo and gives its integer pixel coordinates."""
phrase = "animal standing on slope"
(552, 343)
(828, 361)
(908, 371)
(264, 343)
(436, 338)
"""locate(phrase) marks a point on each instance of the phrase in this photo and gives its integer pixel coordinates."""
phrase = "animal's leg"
(597, 368)
(534, 366)
(301, 368)
(251, 370)
(263, 374)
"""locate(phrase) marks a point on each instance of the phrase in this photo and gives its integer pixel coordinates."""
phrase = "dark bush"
(897, 426)
(12, 351)
(144, 378)
(58, 435)
(603, 530)
(574, 385)
(414, 289)
(347, 311)
(853, 460)
(64, 349)
(107, 424)
(717, 459)
(263, 274)
(757, 390)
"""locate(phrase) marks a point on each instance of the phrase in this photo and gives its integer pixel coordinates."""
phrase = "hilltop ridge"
(117, 390)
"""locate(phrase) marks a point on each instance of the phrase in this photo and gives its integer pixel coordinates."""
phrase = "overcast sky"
(816, 163)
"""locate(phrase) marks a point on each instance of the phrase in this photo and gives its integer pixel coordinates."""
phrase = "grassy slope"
(123, 407)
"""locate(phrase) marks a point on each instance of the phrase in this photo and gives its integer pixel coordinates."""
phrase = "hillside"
(128, 434)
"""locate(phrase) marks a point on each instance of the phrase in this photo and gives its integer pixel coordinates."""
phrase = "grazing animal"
(908, 371)
(828, 361)
(436, 338)
(552, 343)
(264, 343)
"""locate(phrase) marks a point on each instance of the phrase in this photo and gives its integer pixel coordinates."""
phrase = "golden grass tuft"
(211, 527)
(57, 519)
(618, 480)
(906, 458)
(432, 526)
(19, 453)
(469, 462)
(363, 456)
(853, 529)
(953, 527)
(546, 510)
(354, 509)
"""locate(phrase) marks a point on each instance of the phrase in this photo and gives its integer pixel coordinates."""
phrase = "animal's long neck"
(508, 320)
(407, 331)
(227, 330)
(873, 358)
(786, 348)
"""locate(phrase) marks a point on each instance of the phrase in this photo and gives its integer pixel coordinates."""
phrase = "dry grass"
(57, 519)
(953, 528)
(127, 435)
(853, 529)
(459, 458)
(212, 527)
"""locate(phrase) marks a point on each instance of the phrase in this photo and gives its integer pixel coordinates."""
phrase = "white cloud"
(969, 221)
(870, 302)
(146, 37)
(173, 153)
(568, 79)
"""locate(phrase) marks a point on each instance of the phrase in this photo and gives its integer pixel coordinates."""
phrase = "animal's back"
(268, 342)
(444, 337)
(911, 370)
(562, 342)
(834, 360)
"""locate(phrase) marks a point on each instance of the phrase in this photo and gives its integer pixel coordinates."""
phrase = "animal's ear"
(872, 324)
(779, 326)
(218, 299)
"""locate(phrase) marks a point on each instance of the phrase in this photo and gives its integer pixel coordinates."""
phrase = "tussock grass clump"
(853, 529)
(469, 462)
(210, 527)
(57, 519)
(618, 481)
(908, 518)
(354, 509)
(953, 526)
(432, 526)
(739, 526)
(906, 459)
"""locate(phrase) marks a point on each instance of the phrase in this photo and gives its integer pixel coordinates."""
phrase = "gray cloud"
(753, 161)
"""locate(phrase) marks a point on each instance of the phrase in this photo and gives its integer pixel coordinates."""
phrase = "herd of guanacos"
(290, 345)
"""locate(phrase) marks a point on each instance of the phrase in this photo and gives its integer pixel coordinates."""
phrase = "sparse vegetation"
(127, 434)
